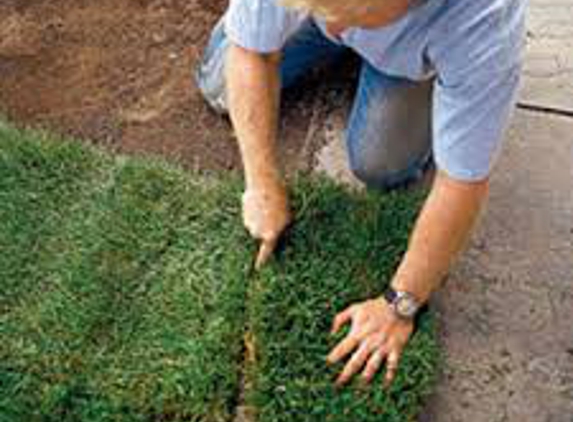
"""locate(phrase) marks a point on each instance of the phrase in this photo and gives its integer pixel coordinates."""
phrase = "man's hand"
(376, 334)
(265, 215)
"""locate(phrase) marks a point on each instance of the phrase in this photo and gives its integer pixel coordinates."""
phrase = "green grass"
(341, 251)
(119, 301)
(126, 293)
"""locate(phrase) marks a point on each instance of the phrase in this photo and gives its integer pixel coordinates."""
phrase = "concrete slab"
(548, 68)
(506, 309)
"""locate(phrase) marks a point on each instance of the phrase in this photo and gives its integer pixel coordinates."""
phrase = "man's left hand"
(376, 335)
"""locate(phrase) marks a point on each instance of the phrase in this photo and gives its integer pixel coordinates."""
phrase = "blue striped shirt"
(473, 49)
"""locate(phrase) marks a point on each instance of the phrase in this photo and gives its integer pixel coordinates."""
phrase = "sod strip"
(41, 185)
(128, 308)
(341, 250)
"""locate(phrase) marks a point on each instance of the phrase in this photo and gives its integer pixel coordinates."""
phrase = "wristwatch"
(404, 304)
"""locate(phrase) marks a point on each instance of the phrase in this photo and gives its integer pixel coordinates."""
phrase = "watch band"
(390, 295)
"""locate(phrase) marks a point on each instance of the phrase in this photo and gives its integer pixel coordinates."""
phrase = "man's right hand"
(266, 214)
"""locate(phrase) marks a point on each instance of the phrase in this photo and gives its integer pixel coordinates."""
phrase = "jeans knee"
(211, 85)
(377, 174)
(368, 172)
(209, 75)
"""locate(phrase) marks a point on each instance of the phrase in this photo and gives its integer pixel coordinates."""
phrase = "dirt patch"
(119, 74)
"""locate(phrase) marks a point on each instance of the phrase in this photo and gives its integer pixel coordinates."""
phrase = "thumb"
(265, 252)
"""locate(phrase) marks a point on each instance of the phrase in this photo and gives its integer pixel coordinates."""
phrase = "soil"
(118, 73)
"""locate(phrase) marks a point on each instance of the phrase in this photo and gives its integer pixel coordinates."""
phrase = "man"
(438, 79)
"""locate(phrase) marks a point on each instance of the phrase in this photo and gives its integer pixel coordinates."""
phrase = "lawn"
(127, 293)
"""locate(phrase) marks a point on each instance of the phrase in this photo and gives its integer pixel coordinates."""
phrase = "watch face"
(406, 306)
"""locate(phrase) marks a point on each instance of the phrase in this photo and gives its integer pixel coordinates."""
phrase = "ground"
(118, 73)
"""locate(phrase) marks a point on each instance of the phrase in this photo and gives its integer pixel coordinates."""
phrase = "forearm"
(253, 98)
(440, 233)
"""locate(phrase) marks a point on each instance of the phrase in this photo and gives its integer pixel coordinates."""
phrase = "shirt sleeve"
(261, 25)
(478, 78)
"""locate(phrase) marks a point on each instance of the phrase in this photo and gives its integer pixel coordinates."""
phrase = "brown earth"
(118, 73)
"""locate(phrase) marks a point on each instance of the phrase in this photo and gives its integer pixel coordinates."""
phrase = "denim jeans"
(388, 136)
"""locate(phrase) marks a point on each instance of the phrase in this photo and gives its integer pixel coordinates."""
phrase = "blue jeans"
(388, 137)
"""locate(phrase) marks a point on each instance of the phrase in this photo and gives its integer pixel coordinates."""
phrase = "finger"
(391, 367)
(341, 319)
(373, 365)
(342, 349)
(355, 363)
(265, 252)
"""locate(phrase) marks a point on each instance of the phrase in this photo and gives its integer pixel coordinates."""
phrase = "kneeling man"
(438, 81)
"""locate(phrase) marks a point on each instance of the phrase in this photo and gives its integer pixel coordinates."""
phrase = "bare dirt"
(118, 73)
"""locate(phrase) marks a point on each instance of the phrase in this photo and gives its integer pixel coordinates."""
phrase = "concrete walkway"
(548, 70)
(506, 311)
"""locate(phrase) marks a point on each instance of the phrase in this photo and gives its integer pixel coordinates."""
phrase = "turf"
(119, 301)
(126, 294)
(340, 252)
